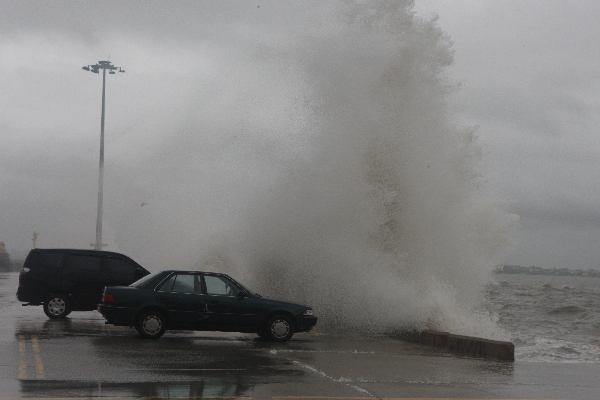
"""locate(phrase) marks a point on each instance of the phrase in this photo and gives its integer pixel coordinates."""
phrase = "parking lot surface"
(81, 357)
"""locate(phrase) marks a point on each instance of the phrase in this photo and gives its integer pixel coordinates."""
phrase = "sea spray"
(378, 222)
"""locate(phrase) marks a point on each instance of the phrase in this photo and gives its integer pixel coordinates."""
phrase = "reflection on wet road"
(81, 357)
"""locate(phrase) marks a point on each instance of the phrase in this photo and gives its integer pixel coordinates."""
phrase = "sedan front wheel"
(280, 328)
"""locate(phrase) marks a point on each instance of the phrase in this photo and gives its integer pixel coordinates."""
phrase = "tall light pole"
(102, 65)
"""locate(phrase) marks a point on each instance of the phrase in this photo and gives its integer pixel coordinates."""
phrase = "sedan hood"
(273, 301)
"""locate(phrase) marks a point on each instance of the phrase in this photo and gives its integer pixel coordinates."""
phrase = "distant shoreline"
(517, 269)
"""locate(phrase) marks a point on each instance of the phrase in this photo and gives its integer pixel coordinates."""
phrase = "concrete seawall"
(464, 344)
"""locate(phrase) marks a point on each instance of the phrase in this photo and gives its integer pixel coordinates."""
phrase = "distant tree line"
(517, 269)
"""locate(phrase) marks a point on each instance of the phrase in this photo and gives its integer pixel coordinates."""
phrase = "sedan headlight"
(307, 313)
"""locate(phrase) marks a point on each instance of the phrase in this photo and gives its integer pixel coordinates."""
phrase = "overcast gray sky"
(529, 73)
(531, 77)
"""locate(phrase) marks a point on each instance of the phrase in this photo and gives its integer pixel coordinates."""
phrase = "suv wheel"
(151, 325)
(57, 306)
(280, 328)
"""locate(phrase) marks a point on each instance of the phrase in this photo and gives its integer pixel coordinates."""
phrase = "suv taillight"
(107, 298)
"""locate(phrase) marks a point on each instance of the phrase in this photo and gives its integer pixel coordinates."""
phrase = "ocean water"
(548, 318)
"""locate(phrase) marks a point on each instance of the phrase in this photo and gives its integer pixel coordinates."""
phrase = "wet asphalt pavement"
(81, 357)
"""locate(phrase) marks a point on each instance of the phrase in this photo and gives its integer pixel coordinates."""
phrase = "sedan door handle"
(214, 302)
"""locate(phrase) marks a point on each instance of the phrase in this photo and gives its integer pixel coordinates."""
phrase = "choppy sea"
(550, 318)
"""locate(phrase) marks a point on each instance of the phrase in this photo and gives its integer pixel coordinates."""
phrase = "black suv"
(65, 280)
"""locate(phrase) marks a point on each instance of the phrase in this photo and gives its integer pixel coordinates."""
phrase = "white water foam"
(368, 203)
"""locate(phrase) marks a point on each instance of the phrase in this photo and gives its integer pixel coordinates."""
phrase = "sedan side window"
(217, 285)
(181, 283)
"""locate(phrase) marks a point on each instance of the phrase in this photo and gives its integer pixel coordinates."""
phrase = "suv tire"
(151, 325)
(280, 328)
(57, 306)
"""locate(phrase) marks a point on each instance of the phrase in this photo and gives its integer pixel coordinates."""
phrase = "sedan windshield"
(248, 290)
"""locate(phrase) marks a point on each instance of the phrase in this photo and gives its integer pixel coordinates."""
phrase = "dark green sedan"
(201, 301)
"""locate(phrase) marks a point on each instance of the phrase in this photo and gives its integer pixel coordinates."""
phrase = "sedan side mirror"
(242, 293)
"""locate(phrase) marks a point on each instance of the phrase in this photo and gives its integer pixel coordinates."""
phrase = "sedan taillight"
(107, 298)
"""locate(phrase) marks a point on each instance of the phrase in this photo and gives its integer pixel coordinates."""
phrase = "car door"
(225, 310)
(182, 296)
(84, 279)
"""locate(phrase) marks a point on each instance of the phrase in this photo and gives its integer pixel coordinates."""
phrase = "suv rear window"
(120, 271)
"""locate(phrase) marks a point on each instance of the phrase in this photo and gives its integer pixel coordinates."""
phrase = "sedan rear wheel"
(280, 328)
(57, 306)
(151, 325)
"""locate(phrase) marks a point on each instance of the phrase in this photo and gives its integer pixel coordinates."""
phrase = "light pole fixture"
(102, 65)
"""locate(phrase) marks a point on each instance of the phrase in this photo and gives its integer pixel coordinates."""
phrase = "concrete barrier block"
(462, 344)
(433, 338)
(482, 347)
